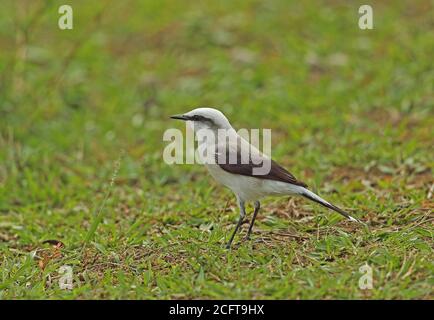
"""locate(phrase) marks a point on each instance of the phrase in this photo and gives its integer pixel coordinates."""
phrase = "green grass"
(351, 113)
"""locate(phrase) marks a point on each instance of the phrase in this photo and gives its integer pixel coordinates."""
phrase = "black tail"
(312, 196)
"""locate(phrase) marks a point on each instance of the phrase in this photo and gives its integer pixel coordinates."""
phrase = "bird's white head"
(205, 118)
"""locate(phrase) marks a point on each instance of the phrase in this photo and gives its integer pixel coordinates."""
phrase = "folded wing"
(245, 165)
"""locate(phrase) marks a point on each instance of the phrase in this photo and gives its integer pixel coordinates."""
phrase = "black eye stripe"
(201, 118)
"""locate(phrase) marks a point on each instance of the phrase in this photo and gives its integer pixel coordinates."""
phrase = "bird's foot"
(228, 245)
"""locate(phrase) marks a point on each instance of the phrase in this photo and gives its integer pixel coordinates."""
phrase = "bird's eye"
(200, 118)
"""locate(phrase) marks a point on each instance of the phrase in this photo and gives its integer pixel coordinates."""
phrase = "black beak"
(180, 117)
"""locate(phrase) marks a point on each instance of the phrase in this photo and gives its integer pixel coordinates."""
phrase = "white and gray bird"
(239, 175)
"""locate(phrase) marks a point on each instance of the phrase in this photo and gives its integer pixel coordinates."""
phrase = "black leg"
(240, 221)
(255, 213)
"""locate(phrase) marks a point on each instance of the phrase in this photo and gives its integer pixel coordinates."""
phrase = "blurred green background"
(351, 113)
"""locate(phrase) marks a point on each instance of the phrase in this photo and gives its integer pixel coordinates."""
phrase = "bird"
(233, 164)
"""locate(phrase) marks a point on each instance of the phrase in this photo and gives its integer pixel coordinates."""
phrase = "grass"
(82, 115)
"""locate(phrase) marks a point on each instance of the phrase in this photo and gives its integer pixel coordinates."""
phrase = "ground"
(82, 116)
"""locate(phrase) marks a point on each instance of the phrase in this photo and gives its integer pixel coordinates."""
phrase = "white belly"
(250, 188)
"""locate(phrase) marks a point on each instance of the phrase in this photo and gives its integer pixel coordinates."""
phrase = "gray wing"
(277, 172)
